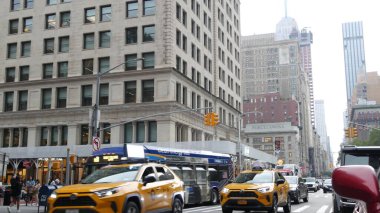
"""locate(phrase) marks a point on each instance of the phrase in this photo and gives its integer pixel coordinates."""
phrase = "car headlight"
(264, 189)
(225, 190)
(53, 195)
(293, 188)
(107, 192)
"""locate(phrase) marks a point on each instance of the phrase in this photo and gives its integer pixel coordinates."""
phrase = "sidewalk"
(23, 208)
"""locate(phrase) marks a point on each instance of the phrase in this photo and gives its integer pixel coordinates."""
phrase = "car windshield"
(310, 179)
(113, 175)
(288, 166)
(279, 167)
(264, 177)
(361, 158)
(327, 181)
(291, 179)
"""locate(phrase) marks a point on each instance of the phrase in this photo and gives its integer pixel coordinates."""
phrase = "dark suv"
(355, 155)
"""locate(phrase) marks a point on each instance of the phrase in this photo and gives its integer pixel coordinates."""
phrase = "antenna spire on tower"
(286, 8)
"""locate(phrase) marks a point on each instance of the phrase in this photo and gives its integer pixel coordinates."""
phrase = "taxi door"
(282, 190)
(149, 191)
(167, 187)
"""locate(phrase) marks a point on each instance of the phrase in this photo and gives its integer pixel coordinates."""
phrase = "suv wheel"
(288, 207)
(274, 205)
(224, 210)
(297, 198)
(214, 197)
(132, 207)
(177, 206)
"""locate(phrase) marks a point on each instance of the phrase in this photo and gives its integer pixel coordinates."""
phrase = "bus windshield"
(112, 175)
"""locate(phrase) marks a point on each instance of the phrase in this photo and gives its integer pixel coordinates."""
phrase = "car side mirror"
(359, 183)
(280, 181)
(149, 179)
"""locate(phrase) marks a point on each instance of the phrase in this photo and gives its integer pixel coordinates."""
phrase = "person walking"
(15, 192)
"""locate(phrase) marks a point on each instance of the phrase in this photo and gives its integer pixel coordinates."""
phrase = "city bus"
(204, 173)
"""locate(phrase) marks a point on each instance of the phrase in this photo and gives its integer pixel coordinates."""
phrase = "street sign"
(95, 143)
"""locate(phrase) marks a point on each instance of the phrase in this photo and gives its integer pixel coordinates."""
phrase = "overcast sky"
(324, 18)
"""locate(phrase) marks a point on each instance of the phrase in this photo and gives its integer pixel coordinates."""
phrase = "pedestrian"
(16, 187)
(35, 192)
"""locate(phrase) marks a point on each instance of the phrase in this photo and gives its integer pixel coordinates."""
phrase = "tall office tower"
(171, 55)
(354, 55)
(320, 123)
(306, 39)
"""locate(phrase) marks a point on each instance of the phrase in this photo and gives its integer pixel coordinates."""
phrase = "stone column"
(166, 131)
(134, 132)
(138, 91)
(116, 135)
(146, 134)
(32, 137)
(59, 135)
(49, 136)
(73, 137)
(10, 137)
(20, 136)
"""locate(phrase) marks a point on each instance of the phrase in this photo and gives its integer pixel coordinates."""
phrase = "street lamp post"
(96, 112)
(239, 134)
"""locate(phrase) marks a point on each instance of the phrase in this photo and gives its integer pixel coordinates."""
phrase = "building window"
(64, 43)
(178, 93)
(51, 2)
(50, 21)
(10, 73)
(49, 45)
(88, 41)
(184, 96)
(46, 98)
(140, 132)
(131, 35)
(148, 62)
(152, 134)
(148, 33)
(65, 19)
(103, 94)
(104, 64)
(63, 69)
(107, 133)
(12, 51)
(22, 100)
(84, 134)
(104, 39)
(15, 5)
(6, 137)
(105, 13)
(87, 66)
(24, 73)
(128, 133)
(47, 71)
(44, 136)
(89, 17)
(131, 62)
(16, 137)
(87, 95)
(148, 91)
(54, 136)
(149, 7)
(132, 9)
(13, 26)
(8, 101)
(64, 135)
(24, 137)
(25, 48)
(27, 25)
(61, 97)
(130, 92)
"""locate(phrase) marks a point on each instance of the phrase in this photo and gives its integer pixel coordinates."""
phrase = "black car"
(327, 186)
(298, 189)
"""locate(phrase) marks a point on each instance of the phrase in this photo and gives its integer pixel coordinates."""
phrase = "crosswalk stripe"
(218, 208)
(302, 208)
(331, 210)
(198, 209)
(322, 209)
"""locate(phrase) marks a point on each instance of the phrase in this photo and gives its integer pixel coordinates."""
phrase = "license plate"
(72, 211)
(242, 202)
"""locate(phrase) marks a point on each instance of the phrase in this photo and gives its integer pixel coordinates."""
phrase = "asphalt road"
(318, 203)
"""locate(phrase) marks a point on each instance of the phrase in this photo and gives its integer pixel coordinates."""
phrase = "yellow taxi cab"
(127, 188)
(256, 189)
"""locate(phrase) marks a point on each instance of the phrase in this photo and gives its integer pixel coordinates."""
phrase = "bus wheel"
(214, 197)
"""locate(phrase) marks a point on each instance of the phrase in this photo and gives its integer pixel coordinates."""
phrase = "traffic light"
(214, 119)
(347, 133)
(354, 132)
(207, 119)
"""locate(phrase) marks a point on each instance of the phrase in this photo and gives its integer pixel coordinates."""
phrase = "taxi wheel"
(132, 207)
(226, 210)
(177, 206)
(288, 207)
(274, 206)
